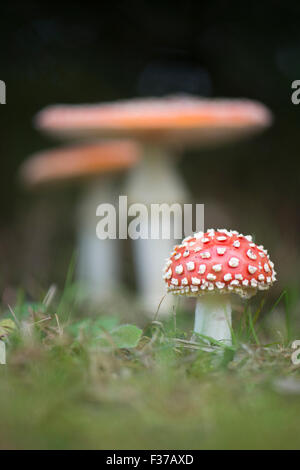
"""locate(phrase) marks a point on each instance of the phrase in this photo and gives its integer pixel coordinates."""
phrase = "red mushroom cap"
(222, 261)
(171, 120)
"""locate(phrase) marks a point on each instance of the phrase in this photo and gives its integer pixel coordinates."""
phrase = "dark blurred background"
(90, 52)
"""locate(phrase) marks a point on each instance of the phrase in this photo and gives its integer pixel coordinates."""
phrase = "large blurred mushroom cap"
(171, 120)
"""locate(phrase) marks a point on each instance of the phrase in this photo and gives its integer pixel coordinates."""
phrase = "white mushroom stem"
(213, 317)
(154, 181)
(98, 260)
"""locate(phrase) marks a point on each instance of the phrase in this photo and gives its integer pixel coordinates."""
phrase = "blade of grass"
(68, 282)
(258, 311)
(215, 342)
(283, 293)
(252, 328)
(288, 318)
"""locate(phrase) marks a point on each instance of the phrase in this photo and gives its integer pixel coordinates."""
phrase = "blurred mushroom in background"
(165, 127)
(94, 166)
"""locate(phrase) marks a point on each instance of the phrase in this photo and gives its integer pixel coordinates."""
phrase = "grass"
(77, 378)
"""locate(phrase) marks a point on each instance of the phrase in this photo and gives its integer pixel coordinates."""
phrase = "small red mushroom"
(212, 265)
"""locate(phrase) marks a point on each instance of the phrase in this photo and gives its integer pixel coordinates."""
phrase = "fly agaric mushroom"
(213, 265)
(161, 125)
(94, 164)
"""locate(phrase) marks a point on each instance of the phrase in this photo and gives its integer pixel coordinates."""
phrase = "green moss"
(64, 387)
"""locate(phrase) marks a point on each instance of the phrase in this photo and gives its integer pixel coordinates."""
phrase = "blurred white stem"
(155, 181)
(98, 260)
(213, 317)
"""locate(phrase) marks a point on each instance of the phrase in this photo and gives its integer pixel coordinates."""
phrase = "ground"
(76, 379)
